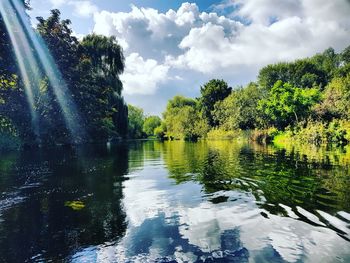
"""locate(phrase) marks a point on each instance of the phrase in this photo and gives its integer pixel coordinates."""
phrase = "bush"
(221, 134)
(335, 132)
(264, 136)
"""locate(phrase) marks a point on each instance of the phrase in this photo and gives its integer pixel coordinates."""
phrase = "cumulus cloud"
(178, 44)
(58, 3)
(278, 31)
(142, 76)
(83, 8)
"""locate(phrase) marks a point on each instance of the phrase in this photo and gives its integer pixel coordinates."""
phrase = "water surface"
(175, 202)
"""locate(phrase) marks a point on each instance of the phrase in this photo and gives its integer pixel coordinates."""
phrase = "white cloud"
(209, 43)
(299, 30)
(151, 201)
(83, 8)
(187, 42)
(142, 76)
(262, 11)
(58, 3)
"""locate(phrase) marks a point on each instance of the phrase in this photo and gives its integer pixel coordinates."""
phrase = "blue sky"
(84, 25)
(174, 47)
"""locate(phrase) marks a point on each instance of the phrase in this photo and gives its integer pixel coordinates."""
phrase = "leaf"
(75, 205)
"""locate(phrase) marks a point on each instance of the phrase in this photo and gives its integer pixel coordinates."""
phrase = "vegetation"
(183, 119)
(305, 100)
(150, 124)
(90, 70)
(211, 93)
(135, 122)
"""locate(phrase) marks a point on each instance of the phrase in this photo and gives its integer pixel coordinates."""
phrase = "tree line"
(90, 69)
(307, 99)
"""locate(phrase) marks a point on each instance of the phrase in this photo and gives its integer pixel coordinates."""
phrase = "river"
(216, 201)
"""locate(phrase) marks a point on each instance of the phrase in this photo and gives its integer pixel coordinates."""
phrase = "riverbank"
(336, 132)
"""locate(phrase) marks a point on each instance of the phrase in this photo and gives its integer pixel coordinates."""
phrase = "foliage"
(160, 131)
(336, 99)
(136, 121)
(183, 119)
(221, 134)
(290, 100)
(287, 104)
(304, 73)
(334, 132)
(106, 58)
(90, 69)
(75, 205)
(239, 109)
(301, 73)
(264, 135)
(212, 92)
(150, 124)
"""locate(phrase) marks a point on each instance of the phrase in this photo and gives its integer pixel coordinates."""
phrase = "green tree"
(91, 69)
(328, 62)
(150, 124)
(136, 120)
(212, 92)
(336, 99)
(14, 107)
(7, 60)
(106, 57)
(287, 104)
(239, 109)
(160, 131)
(345, 55)
(304, 73)
(101, 62)
(183, 119)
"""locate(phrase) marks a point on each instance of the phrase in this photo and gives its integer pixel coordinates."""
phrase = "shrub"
(264, 136)
(221, 134)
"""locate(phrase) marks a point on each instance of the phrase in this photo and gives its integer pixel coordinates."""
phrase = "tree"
(106, 57)
(91, 70)
(183, 119)
(160, 131)
(304, 73)
(14, 107)
(287, 104)
(328, 62)
(136, 120)
(239, 109)
(212, 92)
(6, 49)
(101, 62)
(150, 124)
(345, 55)
(336, 99)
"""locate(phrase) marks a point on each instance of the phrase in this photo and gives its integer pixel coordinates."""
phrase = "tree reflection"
(313, 179)
(41, 225)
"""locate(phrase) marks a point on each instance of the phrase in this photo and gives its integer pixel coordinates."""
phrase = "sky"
(174, 47)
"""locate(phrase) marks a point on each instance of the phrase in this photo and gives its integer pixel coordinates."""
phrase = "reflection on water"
(176, 202)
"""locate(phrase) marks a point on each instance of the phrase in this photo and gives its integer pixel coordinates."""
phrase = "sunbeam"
(27, 66)
(23, 38)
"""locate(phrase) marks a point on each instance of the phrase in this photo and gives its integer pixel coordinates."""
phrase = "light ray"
(30, 38)
(22, 53)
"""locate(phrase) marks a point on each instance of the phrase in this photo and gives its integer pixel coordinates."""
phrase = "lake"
(216, 201)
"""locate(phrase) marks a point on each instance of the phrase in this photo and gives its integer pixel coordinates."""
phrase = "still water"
(175, 202)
